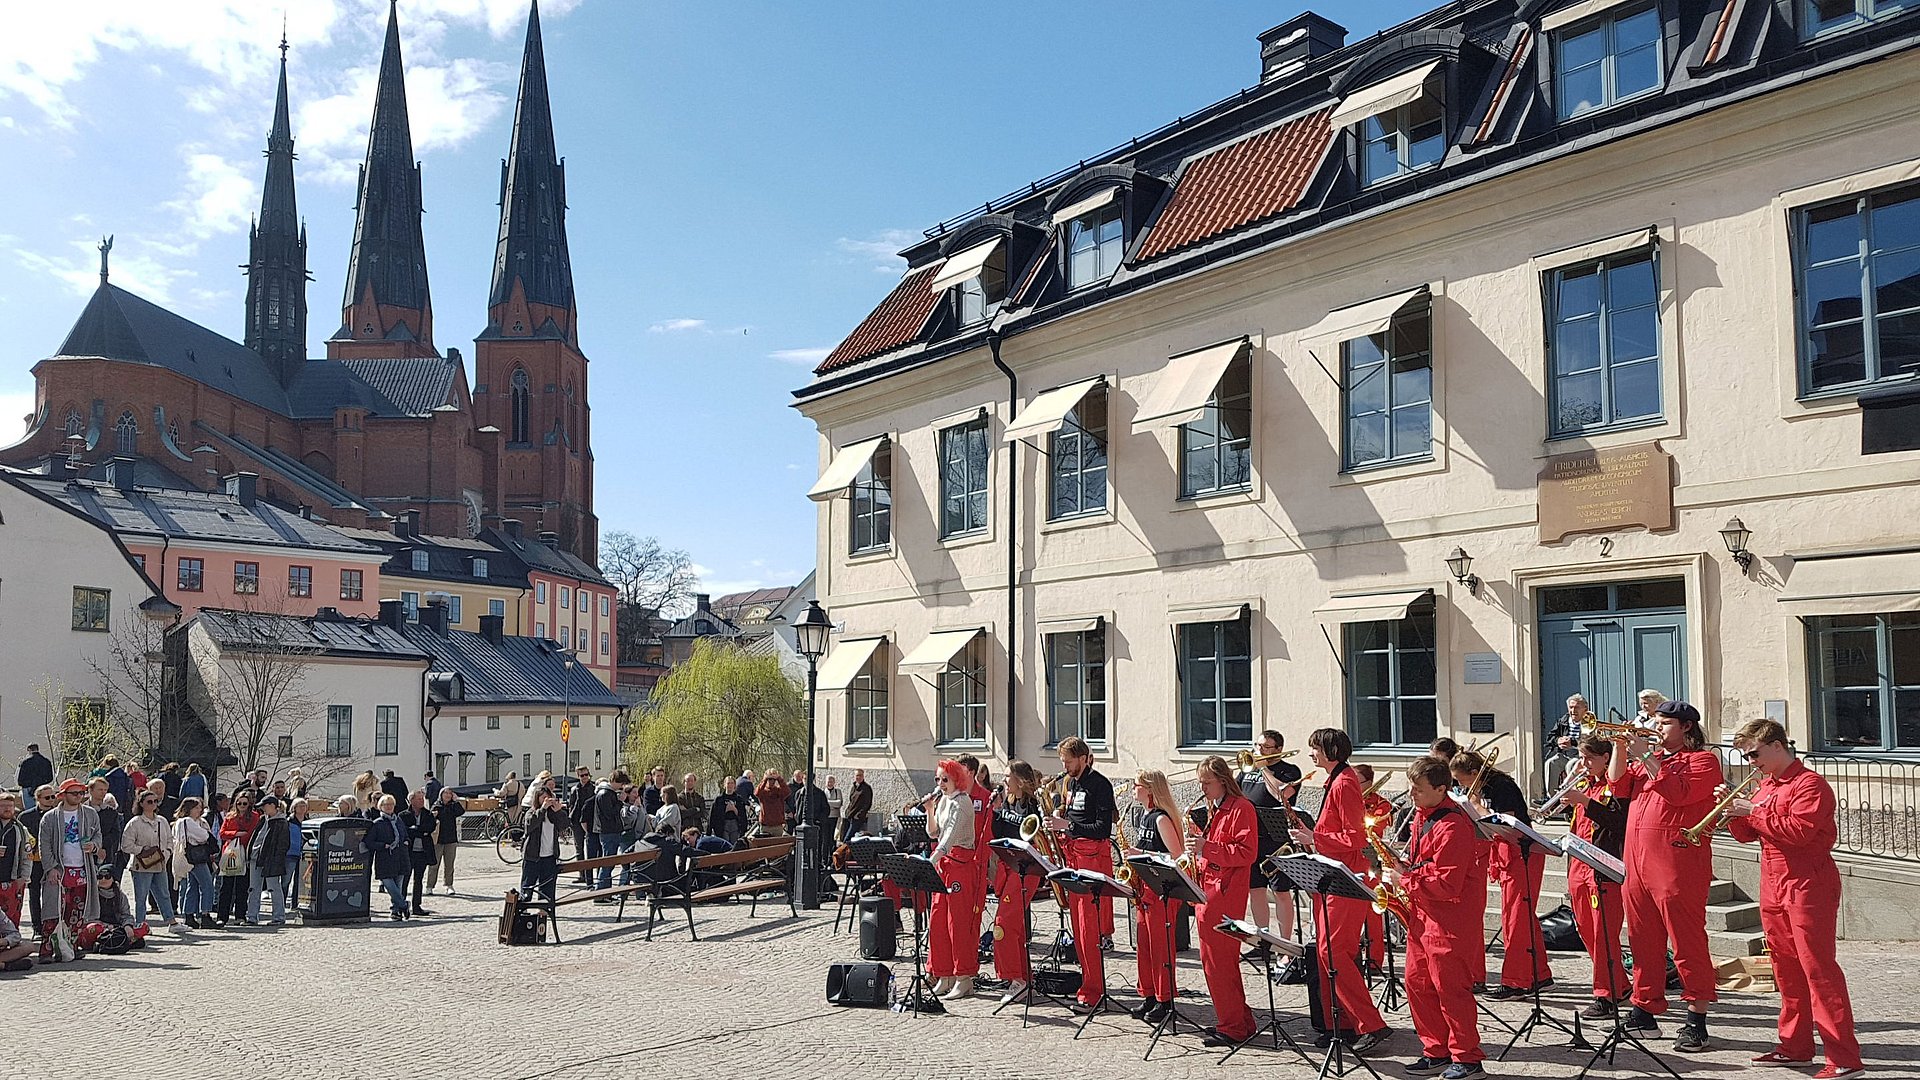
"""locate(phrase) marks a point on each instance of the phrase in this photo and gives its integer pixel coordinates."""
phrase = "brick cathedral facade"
(385, 422)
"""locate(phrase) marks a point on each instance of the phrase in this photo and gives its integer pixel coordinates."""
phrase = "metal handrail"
(1876, 799)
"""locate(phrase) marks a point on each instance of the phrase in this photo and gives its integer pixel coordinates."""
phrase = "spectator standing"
(386, 841)
(71, 851)
(296, 843)
(267, 861)
(656, 779)
(136, 779)
(859, 806)
(43, 801)
(118, 783)
(634, 824)
(668, 821)
(432, 788)
(255, 785)
(836, 801)
(421, 825)
(170, 776)
(194, 784)
(772, 795)
(510, 794)
(605, 818)
(16, 867)
(579, 804)
(366, 791)
(196, 851)
(35, 771)
(693, 805)
(105, 804)
(168, 802)
(729, 818)
(237, 827)
(446, 838)
(540, 865)
(793, 796)
(297, 786)
(147, 840)
(394, 786)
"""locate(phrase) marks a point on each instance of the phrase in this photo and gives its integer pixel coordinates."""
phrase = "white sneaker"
(449, 890)
(962, 988)
(1014, 990)
(178, 927)
(942, 985)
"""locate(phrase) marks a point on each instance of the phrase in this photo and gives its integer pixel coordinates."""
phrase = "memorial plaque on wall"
(1604, 490)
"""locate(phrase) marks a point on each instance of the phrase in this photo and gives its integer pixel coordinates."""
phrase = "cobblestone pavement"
(438, 998)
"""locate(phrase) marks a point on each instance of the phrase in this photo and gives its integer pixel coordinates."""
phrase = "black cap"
(1678, 709)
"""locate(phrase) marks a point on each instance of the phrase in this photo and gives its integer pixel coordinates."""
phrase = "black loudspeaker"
(866, 986)
(879, 923)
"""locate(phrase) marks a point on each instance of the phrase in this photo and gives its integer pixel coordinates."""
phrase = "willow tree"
(720, 713)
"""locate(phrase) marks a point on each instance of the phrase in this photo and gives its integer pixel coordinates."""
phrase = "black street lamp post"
(810, 637)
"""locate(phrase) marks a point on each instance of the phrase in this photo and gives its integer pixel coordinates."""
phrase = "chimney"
(1287, 47)
(306, 512)
(329, 614)
(702, 602)
(551, 539)
(120, 473)
(243, 486)
(494, 628)
(393, 613)
(433, 616)
(511, 526)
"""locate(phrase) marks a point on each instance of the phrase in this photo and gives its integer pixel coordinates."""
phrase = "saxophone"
(1123, 840)
(1390, 899)
(1034, 831)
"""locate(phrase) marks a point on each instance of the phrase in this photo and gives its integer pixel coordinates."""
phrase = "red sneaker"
(1775, 1057)
(1837, 1072)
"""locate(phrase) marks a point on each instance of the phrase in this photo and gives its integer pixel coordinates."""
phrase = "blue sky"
(739, 177)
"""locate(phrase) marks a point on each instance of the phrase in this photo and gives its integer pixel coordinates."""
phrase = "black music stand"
(1019, 856)
(863, 865)
(1274, 836)
(1324, 879)
(1392, 988)
(1250, 934)
(915, 875)
(1159, 876)
(1609, 869)
(1512, 830)
(1096, 885)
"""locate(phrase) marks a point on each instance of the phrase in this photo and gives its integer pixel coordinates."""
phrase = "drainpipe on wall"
(1013, 541)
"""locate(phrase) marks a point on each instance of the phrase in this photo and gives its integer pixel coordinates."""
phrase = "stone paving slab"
(437, 998)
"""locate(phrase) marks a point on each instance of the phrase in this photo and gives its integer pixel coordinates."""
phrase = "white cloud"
(16, 409)
(219, 196)
(676, 326)
(133, 267)
(801, 357)
(881, 251)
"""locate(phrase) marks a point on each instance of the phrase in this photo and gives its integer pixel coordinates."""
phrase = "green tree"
(721, 713)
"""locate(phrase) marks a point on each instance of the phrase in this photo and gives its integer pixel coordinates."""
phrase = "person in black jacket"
(446, 841)
(605, 817)
(540, 860)
(108, 807)
(728, 816)
(580, 816)
(859, 804)
(394, 786)
(267, 862)
(35, 770)
(421, 824)
(386, 841)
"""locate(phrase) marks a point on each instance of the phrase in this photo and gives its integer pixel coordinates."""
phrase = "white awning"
(1221, 613)
(932, 656)
(1180, 395)
(1370, 607)
(1049, 410)
(1573, 13)
(1599, 249)
(1369, 101)
(846, 464)
(964, 264)
(1854, 584)
(1071, 626)
(845, 661)
(1362, 320)
(1085, 206)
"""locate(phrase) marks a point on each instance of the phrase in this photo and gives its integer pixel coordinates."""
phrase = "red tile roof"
(1242, 184)
(1514, 64)
(896, 322)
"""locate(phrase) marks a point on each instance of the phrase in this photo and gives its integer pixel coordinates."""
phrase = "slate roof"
(269, 459)
(309, 634)
(195, 515)
(117, 325)
(516, 670)
(1241, 184)
(539, 556)
(396, 386)
(894, 323)
(449, 558)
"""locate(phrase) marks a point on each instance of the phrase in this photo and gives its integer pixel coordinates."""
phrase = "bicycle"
(512, 840)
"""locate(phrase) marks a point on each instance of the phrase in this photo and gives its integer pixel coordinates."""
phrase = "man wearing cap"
(35, 769)
(70, 849)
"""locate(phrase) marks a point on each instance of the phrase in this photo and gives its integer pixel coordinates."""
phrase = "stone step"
(1736, 942)
(1739, 915)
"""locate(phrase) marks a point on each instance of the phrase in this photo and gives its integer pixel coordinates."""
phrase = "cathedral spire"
(277, 252)
(386, 296)
(532, 250)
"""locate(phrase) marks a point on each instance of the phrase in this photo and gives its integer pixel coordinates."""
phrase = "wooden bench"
(630, 861)
(753, 871)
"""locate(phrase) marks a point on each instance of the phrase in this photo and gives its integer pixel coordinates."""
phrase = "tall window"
(540, 592)
(497, 607)
(419, 560)
(1865, 676)
(75, 425)
(586, 602)
(1077, 685)
(299, 581)
(867, 702)
(1216, 682)
(339, 731)
(963, 695)
(91, 608)
(410, 604)
(1606, 60)
(1390, 681)
(520, 397)
(493, 723)
(386, 730)
(1857, 265)
(126, 434)
(978, 298)
(606, 605)
(246, 578)
(479, 567)
(872, 503)
(1403, 140)
(1216, 451)
(573, 761)
(190, 575)
(1077, 460)
(1387, 392)
(1827, 16)
(1605, 345)
(1095, 242)
(353, 584)
(963, 479)
(566, 598)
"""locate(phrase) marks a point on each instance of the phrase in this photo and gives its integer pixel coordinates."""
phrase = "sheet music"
(1248, 932)
(1515, 829)
(1105, 880)
(1047, 866)
(1598, 858)
(1167, 861)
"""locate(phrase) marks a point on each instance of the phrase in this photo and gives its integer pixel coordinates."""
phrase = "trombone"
(1247, 759)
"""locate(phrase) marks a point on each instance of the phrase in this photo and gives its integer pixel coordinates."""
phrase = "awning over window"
(1370, 607)
(1362, 320)
(1180, 396)
(1573, 13)
(1600, 249)
(845, 661)
(846, 464)
(1854, 584)
(1071, 626)
(964, 264)
(1384, 96)
(932, 656)
(1085, 206)
(465, 754)
(1220, 613)
(496, 754)
(1049, 410)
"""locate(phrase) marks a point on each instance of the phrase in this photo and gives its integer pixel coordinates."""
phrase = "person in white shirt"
(953, 939)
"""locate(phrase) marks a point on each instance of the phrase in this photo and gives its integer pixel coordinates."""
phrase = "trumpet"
(1577, 780)
(1247, 759)
(1617, 732)
(1692, 837)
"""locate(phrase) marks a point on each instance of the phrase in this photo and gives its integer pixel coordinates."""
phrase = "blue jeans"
(151, 883)
(605, 843)
(537, 876)
(196, 896)
(275, 885)
(396, 889)
(293, 878)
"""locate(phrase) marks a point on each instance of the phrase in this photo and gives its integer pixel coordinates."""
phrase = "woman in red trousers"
(1792, 817)
(1667, 878)
(1340, 834)
(1443, 926)
(1012, 921)
(1380, 816)
(953, 942)
(1161, 831)
(1224, 856)
(1599, 818)
(1519, 867)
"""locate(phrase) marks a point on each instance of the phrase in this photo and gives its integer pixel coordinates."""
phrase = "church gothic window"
(126, 434)
(75, 423)
(520, 403)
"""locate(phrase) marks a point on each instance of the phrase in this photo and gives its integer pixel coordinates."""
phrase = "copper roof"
(1519, 59)
(1722, 31)
(896, 322)
(1247, 182)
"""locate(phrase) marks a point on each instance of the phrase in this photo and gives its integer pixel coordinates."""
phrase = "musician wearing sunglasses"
(1444, 926)
(1667, 877)
(1012, 805)
(1600, 818)
(1519, 867)
(953, 933)
(1792, 817)
(1085, 825)
(1224, 853)
(1341, 833)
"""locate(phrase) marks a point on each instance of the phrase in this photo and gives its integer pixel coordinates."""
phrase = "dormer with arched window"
(1096, 217)
(1406, 100)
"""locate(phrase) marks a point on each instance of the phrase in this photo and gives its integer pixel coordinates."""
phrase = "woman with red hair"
(953, 937)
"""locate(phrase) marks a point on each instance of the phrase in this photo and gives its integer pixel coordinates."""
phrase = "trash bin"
(336, 877)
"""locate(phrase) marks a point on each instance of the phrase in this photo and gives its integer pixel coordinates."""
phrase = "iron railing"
(1877, 800)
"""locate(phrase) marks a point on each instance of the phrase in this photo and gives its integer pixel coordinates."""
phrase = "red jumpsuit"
(1793, 818)
(1443, 860)
(1598, 909)
(1084, 913)
(953, 930)
(1340, 834)
(1225, 858)
(1524, 962)
(1155, 919)
(1016, 895)
(1666, 891)
(982, 870)
(1381, 811)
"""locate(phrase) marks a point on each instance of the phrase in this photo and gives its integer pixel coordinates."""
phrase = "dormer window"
(1095, 238)
(418, 561)
(1606, 59)
(479, 567)
(1831, 16)
(1401, 122)
(977, 276)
